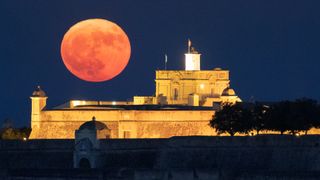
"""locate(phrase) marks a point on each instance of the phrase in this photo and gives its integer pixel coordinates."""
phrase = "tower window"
(175, 94)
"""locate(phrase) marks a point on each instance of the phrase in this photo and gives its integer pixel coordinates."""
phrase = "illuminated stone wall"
(61, 124)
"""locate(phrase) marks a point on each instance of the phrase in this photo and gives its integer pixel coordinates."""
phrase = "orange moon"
(95, 50)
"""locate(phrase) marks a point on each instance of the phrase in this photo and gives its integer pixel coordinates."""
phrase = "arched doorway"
(84, 163)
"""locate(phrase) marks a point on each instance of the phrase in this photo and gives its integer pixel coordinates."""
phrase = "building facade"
(191, 86)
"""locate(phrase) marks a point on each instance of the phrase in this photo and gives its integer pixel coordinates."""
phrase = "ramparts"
(267, 156)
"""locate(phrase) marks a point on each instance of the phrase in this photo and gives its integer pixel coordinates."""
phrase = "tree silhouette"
(9, 132)
(285, 116)
(292, 116)
(232, 119)
(303, 115)
(277, 117)
(259, 117)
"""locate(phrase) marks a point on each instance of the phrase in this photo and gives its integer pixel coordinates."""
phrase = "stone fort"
(184, 103)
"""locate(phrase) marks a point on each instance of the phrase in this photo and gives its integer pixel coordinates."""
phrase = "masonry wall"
(61, 124)
(40, 154)
(262, 157)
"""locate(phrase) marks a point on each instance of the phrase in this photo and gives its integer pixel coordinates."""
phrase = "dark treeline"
(284, 117)
(15, 133)
(8, 131)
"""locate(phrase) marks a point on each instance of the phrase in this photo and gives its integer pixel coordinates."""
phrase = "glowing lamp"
(201, 86)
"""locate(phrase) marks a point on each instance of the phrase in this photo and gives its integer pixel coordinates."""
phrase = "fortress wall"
(230, 155)
(169, 129)
(131, 144)
(245, 154)
(61, 124)
(116, 115)
(64, 129)
(53, 144)
(36, 154)
(233, 156)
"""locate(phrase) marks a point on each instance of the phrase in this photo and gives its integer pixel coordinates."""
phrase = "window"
(175, 94)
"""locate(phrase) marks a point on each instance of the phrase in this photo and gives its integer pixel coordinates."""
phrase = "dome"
(228, 92)
(39, 92)
(93, 125)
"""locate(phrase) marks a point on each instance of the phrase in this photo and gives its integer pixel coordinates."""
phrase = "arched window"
(175, 93)
(84, 163)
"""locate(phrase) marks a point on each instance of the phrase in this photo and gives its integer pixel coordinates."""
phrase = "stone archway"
(84, 163)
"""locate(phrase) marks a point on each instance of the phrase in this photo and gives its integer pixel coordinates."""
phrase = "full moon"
(95, 50)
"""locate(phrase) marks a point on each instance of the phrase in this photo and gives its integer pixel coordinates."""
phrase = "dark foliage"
(293, 116)
(15, 133)
(285, 116)
(259, 117)
(9, 132)
(232, 119)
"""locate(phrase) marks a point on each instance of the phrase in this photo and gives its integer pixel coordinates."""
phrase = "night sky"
(271, 47)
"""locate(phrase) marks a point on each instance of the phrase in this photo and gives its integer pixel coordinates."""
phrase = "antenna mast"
(189, 45)
(165, 61)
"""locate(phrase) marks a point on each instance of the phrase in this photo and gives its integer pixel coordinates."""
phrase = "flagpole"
(189, 45)
(165, 61)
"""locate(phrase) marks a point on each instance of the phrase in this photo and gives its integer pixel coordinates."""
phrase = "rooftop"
(133, 107)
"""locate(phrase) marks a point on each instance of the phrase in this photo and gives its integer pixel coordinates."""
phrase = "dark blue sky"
(271, 47)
